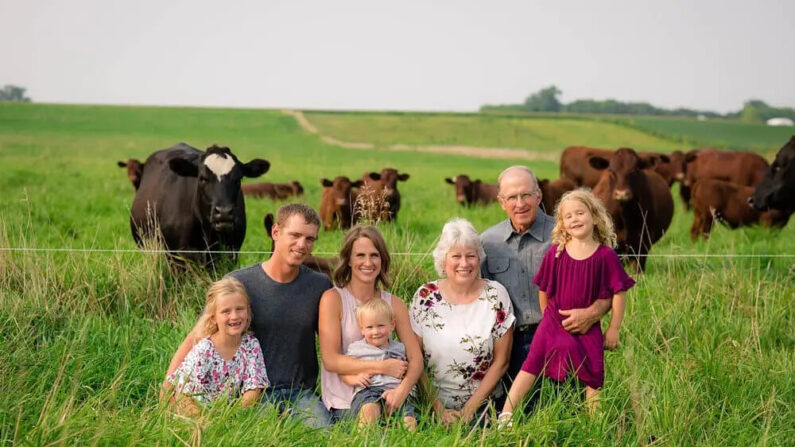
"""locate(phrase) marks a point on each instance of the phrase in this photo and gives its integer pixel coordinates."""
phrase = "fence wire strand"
(258, 252)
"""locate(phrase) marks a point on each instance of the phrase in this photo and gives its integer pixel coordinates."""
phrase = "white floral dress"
(458, 340)
(205, 375)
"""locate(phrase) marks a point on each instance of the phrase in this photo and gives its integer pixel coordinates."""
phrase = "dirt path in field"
(470, 151)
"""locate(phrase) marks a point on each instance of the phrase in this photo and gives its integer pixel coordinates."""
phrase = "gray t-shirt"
(512, 259)
(361, 350)
(284, 320)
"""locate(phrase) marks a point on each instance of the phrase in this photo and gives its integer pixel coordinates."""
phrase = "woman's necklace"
(356, 299)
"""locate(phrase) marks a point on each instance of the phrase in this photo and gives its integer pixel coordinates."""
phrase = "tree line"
(546, 100)
(13, 93)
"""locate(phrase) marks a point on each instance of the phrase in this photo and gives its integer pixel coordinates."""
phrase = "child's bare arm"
(616, 316)
(251, 397)
(543, 300)
(190, 341)
(361, 379)
(186, 406)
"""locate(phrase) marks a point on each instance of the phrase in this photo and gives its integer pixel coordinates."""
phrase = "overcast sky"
(399, 55)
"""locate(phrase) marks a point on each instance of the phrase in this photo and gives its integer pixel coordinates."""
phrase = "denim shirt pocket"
(500, 269)
(497, 264)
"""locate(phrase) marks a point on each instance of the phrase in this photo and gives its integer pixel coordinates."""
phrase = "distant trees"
(755, 111)
(13, 93)
(546, 100)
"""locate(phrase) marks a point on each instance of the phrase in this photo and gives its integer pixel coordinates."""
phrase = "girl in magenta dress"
(579, 268)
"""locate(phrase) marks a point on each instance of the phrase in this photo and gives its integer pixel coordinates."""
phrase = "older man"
(514, 249)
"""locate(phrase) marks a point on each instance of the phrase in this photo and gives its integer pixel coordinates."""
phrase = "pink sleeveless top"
(336, 393)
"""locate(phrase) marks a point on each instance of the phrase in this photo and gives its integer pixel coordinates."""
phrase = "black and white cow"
(192, 200)
(777, 188)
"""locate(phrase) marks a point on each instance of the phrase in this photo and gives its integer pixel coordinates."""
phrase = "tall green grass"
(708, 343)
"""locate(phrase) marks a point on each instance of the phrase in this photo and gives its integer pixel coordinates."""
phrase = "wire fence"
(258, 252)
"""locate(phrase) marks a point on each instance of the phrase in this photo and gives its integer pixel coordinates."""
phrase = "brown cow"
(742, 168)
(135, 169)
(552, 191)
(321, 265)
(728, 203)
(677, 165)
(275, 191)
(379, 198)
(638, 200)
(336, 202)
(574, 164)
(575, 167)
(671, 167)
(468, 192)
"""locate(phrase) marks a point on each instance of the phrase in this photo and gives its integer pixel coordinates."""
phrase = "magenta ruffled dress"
(572, 284)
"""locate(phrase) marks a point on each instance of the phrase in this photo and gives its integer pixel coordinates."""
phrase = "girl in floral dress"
(227, 362)
(465, 326)
(579, 268)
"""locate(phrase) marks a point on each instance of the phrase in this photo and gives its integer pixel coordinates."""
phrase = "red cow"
(135, 170)
(552, 191)
(468, 192)
(638, 200)
(728, 202)
(336, 202)
(379, 198)
(742, 168)
(671, 167)
(574, 164)
(321, 265)
(275, 191)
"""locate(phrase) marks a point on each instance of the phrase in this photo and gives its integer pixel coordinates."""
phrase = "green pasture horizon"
(708, 344)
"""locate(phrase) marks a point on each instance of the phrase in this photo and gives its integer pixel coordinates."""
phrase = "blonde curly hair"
(224, 286)
(603, 231)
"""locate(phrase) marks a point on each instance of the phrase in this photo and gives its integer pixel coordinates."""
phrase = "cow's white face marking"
(219, 164)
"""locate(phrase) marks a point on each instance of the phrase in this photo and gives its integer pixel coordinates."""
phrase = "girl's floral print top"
(205, 375)
(458, 340)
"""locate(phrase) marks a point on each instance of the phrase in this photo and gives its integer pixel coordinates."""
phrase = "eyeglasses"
(524, 197)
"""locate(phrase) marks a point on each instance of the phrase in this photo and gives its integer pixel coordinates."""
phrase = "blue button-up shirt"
(512, 259)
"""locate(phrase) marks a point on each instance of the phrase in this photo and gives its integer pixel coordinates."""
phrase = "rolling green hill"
(542, 134)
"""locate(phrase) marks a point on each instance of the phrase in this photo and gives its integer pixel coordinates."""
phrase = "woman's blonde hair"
(603, 231)
(342, 274)
(224, 286)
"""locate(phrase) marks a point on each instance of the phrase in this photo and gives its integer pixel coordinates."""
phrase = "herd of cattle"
(192, 201)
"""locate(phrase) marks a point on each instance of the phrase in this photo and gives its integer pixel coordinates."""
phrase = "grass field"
(708, 340)
(541, 134)
(722, 134)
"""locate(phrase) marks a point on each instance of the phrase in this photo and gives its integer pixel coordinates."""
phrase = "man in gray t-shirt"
(284, 312)
(514, 250)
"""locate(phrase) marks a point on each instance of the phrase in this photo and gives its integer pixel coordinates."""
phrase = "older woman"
(464, 324)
